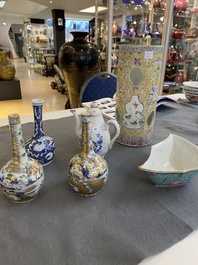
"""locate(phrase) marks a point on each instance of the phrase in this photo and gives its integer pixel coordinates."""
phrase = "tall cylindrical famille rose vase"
(138, 81)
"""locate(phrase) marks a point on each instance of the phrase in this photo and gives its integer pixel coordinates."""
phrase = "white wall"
(5, 41)
(17, 28)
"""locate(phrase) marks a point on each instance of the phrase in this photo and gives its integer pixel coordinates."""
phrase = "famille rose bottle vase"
(40, 146)
(22, 177)
(87, 171)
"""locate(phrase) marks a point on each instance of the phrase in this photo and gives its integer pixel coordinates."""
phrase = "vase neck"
(38, 120)
(3, 58)
(87, 146)
(18, 144)
(79, 35)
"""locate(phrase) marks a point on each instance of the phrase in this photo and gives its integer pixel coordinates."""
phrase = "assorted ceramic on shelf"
(192, 33)
(165, 168)
(101, 138)
(40, 146)
(22, 177)
(180, 78)
(114, 28)
(181, 5)
(191, 86)
(178, 34)
(191, 91)
(194, 10)
(174, 55)
(87, 171)
(157, 4)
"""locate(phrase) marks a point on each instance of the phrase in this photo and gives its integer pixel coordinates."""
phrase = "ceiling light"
(4, 23)
(2, 3)
(92, 9)
(50, 2)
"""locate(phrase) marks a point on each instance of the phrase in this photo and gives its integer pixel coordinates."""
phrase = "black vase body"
(78, 60)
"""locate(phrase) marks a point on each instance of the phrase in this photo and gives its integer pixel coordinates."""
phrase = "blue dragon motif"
(98, 144)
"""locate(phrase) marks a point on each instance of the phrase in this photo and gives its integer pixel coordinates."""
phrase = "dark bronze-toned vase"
(78, 60)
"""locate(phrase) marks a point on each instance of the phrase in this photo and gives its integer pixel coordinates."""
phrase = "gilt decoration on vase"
(87, 171)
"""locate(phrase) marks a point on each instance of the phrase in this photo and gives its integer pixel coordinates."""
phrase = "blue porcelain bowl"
(172, 162)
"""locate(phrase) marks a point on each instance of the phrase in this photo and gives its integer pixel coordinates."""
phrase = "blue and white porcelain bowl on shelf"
(172, 162)
(191, 90)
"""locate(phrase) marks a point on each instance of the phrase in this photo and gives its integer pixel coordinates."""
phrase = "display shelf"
(36, 37)
(136, 21)
(133, 23)
(183, 46)
(39, 64)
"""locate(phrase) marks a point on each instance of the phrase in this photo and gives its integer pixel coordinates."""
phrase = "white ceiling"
(18, 11)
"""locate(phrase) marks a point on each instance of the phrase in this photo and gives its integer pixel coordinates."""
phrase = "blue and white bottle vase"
(40, 146)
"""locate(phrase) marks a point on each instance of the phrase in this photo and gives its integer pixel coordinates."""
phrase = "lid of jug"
(94, 109)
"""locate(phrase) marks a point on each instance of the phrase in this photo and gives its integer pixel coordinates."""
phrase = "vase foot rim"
(23, 201)
(46, 164)
(88, 195)
(133, 145)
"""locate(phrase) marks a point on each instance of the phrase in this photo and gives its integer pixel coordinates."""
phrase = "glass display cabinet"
(182, 54)
(37, 40)
(141, 22)
(40, 60)
(137, 22)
